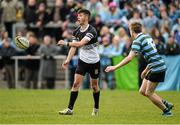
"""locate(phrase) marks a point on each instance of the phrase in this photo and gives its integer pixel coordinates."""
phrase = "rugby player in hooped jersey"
(155, 70)
(85, 38)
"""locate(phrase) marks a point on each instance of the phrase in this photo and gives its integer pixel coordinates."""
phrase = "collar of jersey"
(84, 29)
(138, 35)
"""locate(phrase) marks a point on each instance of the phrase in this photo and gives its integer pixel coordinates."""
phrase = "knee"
(95, 88)
(148, 93)
(75, 86)
(142, 92)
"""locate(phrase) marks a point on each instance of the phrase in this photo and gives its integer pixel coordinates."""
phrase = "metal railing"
(17, 58)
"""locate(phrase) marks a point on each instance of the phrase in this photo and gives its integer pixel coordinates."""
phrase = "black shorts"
(156, 77)
(92, 69)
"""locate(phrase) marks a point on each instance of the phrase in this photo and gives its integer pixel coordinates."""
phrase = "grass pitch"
(116, 107)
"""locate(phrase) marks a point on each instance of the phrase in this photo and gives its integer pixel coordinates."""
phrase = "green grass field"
(120, 107)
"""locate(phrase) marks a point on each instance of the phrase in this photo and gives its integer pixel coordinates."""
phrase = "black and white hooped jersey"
(88, 52)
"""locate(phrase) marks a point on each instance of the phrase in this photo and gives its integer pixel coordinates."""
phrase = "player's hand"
(145, 72)
(61, 43)
(65, 64)
(110, 69)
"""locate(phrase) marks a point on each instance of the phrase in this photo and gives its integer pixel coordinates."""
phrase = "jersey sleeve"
(136, 47)
(91, 34)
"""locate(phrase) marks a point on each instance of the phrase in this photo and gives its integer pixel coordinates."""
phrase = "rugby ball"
(21, 42)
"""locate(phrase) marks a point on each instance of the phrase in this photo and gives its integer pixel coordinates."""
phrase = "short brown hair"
(136, 27)
(86, 12)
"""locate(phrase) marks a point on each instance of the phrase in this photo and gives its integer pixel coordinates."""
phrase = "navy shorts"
(156, 77)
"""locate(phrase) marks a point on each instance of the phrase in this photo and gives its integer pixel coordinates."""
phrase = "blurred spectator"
(71, 9)
(155, 5)
(143, 9)
(5, 36)
(59, 12)
(42, 18)
(159, 40)
(30, 13)
(9, 14)
(160, 46)
(176, 31)
(57, 16)
(136, 17)
(163, 7)
(94, 6)
(173, 12)
(128, 10)
(79, 5)
(98, 24)
(150, 21)
(48, 64)
(123, 34)
(165, 32)
(1, 11)
(104, 51)
(116, 47)
(165, 20)
(7, 51)
(104, 10)
(172, 48)
(105, 32)
(114, 15)
(156, 35)
(32, 66)
(19, 11)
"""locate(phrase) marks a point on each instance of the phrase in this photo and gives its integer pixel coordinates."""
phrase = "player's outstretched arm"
(125, 61)
(71, 53)
(76, 44)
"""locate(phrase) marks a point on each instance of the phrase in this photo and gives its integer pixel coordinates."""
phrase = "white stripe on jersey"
(90, 35)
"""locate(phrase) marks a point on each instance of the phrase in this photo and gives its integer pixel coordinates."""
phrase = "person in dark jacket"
(30, 13)
(32, 65)
(172, 48)
(7, 51)
(59, 12)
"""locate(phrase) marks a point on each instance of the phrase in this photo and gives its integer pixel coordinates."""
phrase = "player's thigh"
(142, 89)
(81, 68)
(153, 80)
(78, 79)
(94, 71)
(151, 86)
